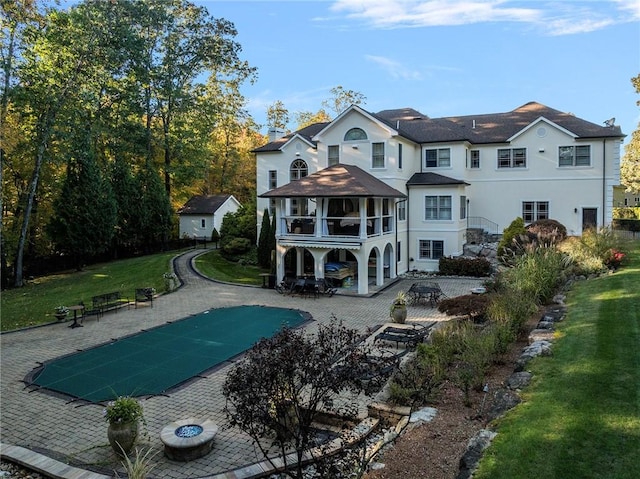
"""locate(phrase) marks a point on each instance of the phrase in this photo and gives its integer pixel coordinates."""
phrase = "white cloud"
(413, 13)
(398, 71)
(393, 68)
(553, 17)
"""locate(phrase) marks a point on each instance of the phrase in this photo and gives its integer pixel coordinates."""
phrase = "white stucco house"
(369, 196)
(202, 213)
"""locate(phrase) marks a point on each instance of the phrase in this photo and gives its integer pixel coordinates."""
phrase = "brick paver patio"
(75, 433)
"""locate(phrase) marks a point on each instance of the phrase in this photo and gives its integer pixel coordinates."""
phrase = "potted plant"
(123, 416)
(61, 312)
(398, 310)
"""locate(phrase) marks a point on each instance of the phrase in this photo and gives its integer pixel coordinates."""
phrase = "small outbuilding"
(202, 213)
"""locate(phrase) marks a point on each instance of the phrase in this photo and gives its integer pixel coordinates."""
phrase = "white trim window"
(512, 158)
(273, 179)
(402, 211)
(574, 155)
(299, 169)
(437, 157)
(474, 159)
(355, 134)
(399, 156)
(377, 155)
(535, 210)
(430, 249)
(437, 207)
(463, 207)
(333, 155)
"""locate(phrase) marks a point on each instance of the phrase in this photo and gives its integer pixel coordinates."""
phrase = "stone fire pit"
(188, 439)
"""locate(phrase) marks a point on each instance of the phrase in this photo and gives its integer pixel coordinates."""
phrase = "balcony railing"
(335, 227)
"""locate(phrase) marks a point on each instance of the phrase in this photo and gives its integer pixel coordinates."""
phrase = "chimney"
(275, 133)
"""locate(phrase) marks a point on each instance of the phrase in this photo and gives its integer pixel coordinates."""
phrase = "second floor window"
(512, 158)
(474, 159)
(438, 157)
(377, 155)
(574, 155)
(437, 207)
(402, 211)
(333, 155)
(399, 156)
(273, 179)
(535, 210)
(298, 170)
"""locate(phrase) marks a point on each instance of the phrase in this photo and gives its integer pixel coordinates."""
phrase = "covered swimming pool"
(157, 360)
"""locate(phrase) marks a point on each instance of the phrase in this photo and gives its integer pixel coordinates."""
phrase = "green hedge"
(475, 267)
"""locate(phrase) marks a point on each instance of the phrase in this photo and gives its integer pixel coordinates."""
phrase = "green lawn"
(213, 265)
(34, 303)
(580, 418)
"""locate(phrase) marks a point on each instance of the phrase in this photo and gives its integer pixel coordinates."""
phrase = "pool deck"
(69, 440)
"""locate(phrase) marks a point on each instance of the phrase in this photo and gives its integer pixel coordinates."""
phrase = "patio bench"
(108, 302)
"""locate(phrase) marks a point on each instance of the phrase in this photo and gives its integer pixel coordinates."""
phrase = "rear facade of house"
(370, 196)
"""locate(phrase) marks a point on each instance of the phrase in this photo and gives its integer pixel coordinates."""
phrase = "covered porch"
(338, 224)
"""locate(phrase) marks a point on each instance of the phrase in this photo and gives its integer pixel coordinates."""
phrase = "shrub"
(591, 252)
(538, 273)
(475, 267)
(471, 365)
(504, 332)
(236, 246)
(511, 233)
(473, 306)
(548, 231)
(419, 378)
(512, 307)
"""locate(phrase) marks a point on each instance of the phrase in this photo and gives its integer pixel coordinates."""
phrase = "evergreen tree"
(85, 212)
(126, 236)
(272, 244)
(154, 220)
(264, 250)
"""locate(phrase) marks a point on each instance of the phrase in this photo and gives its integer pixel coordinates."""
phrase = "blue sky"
(442, 57)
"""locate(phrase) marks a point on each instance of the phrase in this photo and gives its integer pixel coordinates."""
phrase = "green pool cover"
(153, 361)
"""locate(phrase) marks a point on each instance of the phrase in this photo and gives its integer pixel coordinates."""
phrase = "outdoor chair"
(405, 336)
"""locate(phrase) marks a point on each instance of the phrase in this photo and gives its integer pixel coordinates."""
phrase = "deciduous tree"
(277, 391)
(630, 167)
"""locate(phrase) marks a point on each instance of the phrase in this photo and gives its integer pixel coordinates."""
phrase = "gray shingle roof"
(432, 179)
(203, 204)
(336, 180)
(307, 133)
(477, 129)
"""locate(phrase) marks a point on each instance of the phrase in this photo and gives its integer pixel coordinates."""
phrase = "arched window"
(298, 170)
(355, 134)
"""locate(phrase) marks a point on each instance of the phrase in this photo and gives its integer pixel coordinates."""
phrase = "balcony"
(335, 228)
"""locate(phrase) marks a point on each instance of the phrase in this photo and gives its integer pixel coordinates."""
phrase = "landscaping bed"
(433, 450)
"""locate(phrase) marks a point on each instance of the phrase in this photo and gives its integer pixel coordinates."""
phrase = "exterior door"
(589, 218)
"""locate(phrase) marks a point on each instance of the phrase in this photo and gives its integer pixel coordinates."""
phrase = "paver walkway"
(76, 433)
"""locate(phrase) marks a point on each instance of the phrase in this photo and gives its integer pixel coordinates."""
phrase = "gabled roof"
(477, 129)
(336, 180)
(203, 204)
(499, 127)
(306, 133)
(363, 112)
(433, 179)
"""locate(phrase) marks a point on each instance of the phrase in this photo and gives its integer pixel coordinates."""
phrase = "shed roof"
(203, 204)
